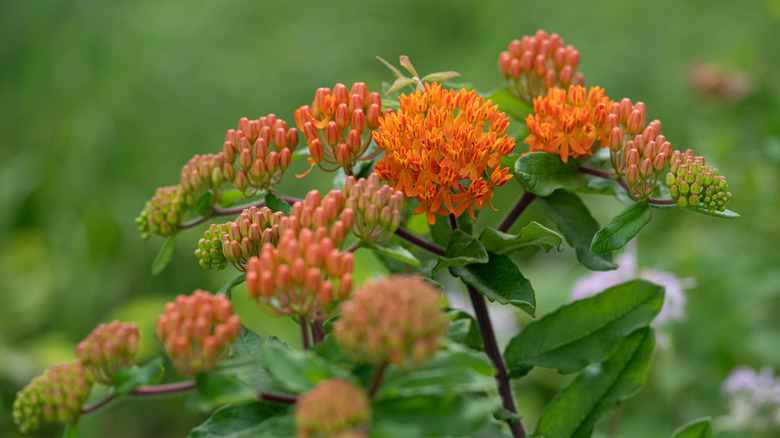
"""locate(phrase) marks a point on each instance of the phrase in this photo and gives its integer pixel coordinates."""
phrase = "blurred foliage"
(102, 102)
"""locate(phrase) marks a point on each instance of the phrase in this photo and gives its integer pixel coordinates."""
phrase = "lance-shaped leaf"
(699, 428)
(585, 331)
(297, 371)
(725, 214)
(275, 203)
(543, 173)
(164, 255)
(499, 280)
(227, 290)
(215, 389)
(622, 228)
(533, 234)
(461, 249)
(127, 380)
(393, 250)
(437, 415)
(247, 420)
(576, 224)
(596, 394)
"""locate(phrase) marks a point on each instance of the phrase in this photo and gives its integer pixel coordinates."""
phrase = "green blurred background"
(101, 102)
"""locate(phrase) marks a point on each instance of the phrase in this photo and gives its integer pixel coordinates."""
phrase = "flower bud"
(332, 408)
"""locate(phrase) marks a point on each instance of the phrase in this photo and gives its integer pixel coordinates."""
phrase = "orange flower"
(568, 123)
(444, 148)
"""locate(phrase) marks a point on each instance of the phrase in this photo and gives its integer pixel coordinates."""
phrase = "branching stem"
(422, 243)
(613, 176)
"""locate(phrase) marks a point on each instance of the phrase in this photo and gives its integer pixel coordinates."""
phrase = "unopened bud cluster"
(163, 213)
(533, 64)
(109, 348)
(261, 151)
(693, 184)
(55, 396)
(338, 125)
(297, 275)
(396, 320)
(253, 158)
(197, 331)
(377, 207)
(638, 152)
(333, 408)
(235, 242)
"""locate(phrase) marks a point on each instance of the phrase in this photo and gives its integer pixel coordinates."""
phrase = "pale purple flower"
(754, 400)
(674, 301)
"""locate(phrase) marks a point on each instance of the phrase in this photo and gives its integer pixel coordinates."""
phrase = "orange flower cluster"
(437, 140)
(568, 123)
(533, 64)
(197, 331)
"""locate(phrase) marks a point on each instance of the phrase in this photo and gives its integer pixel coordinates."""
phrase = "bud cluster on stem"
(258, 153)
(197, 331)
(296, 276)
(163, 213)
(236, 241)
(377, 207)
(55, 396)
(396, 320)
(693, 184)
(338, 125)
(533, 64)
(109, 348)
(333, 408)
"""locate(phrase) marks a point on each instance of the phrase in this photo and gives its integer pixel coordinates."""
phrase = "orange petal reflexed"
(438, 138)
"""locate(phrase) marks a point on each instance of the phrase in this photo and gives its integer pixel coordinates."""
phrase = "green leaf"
(246, 362)
(275, 203)
(215, 389)
(725, 214)
(585, 331)
(533, 234)
(499, 280)
(71, 431)
(393, 250)
(576, 224)
(508, 103)
(461, 249)
(389, 429)
(457, 369)
(230, 197)
(247, 421)
(205, 202)
(543, 173)
(297, 371)
(228, 288)
(437, 415)
(127, 380)
(596, 394)
(622, 228)
(164, 255)
(464, 329)
(699, 428)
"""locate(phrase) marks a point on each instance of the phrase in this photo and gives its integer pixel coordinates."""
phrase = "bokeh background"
(101, 102)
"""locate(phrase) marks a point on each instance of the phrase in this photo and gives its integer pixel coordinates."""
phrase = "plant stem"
(304, 333)
(279, 398)
(377, 378)
(613, 176)
(216, 211)
(491, 349)
(422, 243)
(155, 390)
(516, 211)
(354, 247)
(316, 331)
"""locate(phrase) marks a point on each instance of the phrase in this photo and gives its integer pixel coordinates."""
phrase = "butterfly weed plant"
(387, 357)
